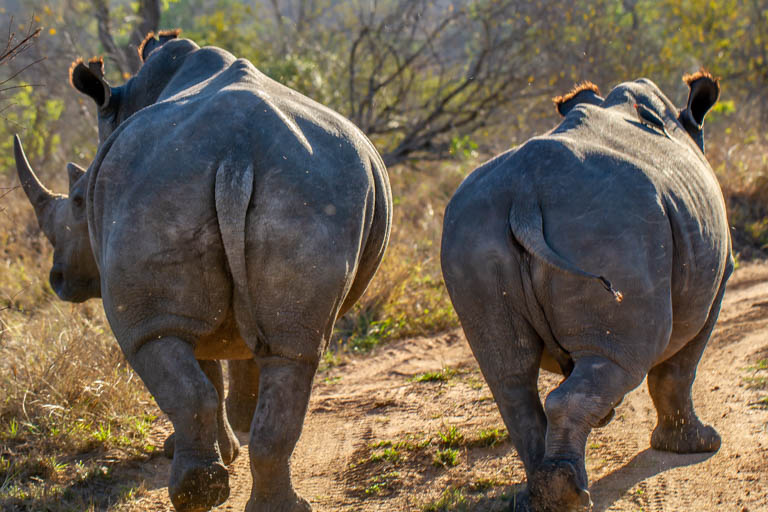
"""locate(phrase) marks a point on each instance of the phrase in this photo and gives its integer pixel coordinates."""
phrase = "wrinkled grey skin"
(224, 217)
(526, 236)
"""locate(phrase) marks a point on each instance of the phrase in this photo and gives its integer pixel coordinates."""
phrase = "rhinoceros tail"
(528, 229)
(233, 194)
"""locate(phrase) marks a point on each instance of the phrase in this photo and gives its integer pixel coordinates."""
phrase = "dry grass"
(408, 297)
(737, 149)
(71, 409)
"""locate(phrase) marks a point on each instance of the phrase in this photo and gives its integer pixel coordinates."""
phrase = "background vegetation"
(437, 85)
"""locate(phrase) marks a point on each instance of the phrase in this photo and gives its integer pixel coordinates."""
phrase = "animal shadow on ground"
(610, 488)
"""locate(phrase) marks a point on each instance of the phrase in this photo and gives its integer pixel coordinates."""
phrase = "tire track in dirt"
(372, 399)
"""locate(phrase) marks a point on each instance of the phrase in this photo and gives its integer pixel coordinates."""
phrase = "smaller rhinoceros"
(533, 239)
(224, 216)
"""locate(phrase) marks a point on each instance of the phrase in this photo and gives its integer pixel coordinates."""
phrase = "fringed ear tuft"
(142, 49)
(89, 80)
(586, 85)
(704, 93)
(167, 35)
(150, 43)
(96, 65)
(689, 78)
(584, 92)
(75, 64)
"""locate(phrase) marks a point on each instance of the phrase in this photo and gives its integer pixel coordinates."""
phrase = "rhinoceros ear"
(704, 92)
(89, 80)
(585, 92)
(150, 44)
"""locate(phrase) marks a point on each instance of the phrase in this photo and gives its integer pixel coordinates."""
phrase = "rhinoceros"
(224, 216)
(599, 250)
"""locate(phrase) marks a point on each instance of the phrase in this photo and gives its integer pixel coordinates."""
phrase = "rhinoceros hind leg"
(243, 393)
(508, 350)
(511, 372)
(229, 446)
(678, 428)
(199, 481)
(608, 417)
(284, 389)
(695, 438)
(573, 409)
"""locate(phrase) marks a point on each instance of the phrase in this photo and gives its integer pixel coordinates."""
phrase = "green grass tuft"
(388, 455)
(446, 458)
(450, 438)
(381, 483)
(452, 500)
(437, 376)
(491, 437)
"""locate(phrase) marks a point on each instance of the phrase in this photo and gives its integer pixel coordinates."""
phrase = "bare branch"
(417, 73)
(114, 53)
(6, 80)
(126, 57)
(13, 47)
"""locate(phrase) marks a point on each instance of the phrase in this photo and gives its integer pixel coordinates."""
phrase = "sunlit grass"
(68, 397)
(407, 297)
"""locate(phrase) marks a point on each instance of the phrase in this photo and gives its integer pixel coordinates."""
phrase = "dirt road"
(372, 435)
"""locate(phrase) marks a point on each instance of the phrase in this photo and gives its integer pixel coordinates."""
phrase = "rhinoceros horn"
(40, 197)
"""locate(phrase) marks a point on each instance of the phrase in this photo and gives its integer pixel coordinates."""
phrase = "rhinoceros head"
(116, 104)
(74, 275)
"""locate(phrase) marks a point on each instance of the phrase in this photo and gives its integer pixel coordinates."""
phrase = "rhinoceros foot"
(694, 437)
(293, 503)
(197, 486)
(555, 487)
(229, 447)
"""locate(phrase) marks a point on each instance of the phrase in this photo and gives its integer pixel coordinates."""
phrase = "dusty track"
(375, 399)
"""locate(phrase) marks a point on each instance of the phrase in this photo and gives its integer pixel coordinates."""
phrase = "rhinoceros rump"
(533, 237)
(224, 216)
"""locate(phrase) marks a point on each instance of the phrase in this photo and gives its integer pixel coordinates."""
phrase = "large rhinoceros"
(533, 239)
(224, 216)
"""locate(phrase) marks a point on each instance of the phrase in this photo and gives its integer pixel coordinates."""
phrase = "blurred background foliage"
(416, 75)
